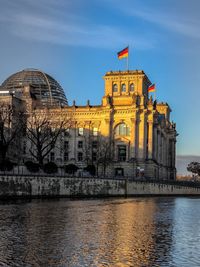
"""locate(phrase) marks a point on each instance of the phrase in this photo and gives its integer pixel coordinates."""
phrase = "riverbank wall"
(39, 187)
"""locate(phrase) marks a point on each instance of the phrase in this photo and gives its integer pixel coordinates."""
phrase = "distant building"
(142, 139)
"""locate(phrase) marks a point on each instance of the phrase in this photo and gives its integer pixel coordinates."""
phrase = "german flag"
(123, 53)
(152, 88)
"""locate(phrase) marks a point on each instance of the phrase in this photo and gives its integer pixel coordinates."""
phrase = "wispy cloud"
(33, 22)
(179, 25)
(179, 22)
(70, 33)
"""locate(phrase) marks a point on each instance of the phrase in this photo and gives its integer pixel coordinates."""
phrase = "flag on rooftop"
(152, 88)
(123, 53)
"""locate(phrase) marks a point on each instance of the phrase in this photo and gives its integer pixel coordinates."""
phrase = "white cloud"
(65, 27)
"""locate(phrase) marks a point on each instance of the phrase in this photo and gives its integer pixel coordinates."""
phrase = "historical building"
(135, 131)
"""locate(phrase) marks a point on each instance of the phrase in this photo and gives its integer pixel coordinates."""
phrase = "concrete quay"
(18, 186)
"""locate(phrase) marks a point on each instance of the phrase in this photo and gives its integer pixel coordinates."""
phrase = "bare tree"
(11, 129)
(194, 167)
(43, 133)
(103, 154)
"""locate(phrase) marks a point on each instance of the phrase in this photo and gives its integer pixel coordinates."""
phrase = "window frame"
(115, 88)
(52, 156)
(125, 131)
(95, 131)
(123, 88)
(131, 87)
(80, 131)
(80, 156)
(121, 157)
(94, 144)
(66, 145)
(66, 156)
(80, 144)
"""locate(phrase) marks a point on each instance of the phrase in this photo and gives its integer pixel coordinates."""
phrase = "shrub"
(7, 165)
(70, 168)
(32, 166)
(91, 169)
(50, 167)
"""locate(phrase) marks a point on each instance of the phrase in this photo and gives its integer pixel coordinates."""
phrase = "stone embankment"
(38, 186)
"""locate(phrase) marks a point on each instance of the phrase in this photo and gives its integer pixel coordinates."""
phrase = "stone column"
(161, 148)
(150, 139)
(155, 145)
(173, 152)
(158, 146)
(142, 134)
(133, 138)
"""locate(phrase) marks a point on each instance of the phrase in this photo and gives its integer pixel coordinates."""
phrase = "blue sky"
(77, 42)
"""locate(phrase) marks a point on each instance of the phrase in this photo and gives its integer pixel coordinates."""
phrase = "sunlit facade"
(142, 139)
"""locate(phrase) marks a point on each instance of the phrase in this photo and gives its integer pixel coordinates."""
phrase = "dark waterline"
(104, 232)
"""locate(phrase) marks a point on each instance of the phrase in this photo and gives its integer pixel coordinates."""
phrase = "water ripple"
(143, 232)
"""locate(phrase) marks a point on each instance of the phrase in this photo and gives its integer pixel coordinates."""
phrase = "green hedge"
(70, 168)
(32, 166)
(91, 169)
(50, 167)
(7, 165)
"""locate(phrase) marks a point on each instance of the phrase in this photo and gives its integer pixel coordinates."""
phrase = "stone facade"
(136, 130)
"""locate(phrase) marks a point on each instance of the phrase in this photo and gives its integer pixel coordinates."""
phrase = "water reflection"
(112, 232)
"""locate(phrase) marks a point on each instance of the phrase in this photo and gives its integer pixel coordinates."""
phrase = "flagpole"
(127, 58)
(155, 93)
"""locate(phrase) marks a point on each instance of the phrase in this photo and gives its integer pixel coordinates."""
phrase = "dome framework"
(43, 86)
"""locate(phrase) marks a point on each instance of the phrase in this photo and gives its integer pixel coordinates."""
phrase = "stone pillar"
(173, 152)
(87, 128)
(158, 146)
(105, 127)
(162, 149)
(150, 139)
(159, 153)
(133, 138)
(74, 134)
(137, 122)
(142, 135)
(155, 145)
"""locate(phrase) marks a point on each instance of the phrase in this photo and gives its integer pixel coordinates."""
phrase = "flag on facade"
(123, 53)
(152, 88)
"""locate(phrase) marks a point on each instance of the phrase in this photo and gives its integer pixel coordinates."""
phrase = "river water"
(136, 232)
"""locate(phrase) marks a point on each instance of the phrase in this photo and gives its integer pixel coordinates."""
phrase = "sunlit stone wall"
(11, 186)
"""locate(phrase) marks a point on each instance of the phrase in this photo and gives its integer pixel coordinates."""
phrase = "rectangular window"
(119, 172)
(66, 156)
(94, 144)
(122, 153)
(66, 145)
(94, 156)
(95, 131)
(80, 131)
(80, 144)
(80, 156)
(52, 156)
(24, 147)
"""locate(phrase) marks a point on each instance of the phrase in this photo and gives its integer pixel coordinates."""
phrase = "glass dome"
(43, 86)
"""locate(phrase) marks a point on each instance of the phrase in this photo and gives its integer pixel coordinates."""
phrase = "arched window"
(95, 131)
(122, 129)
(131, 87)
(115, 88)
(123, 88)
